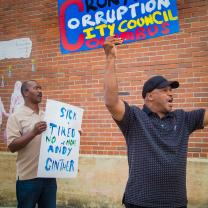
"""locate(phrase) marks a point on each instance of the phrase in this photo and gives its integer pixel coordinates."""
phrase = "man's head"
(31, 91)
(157, 92)
(157, 82)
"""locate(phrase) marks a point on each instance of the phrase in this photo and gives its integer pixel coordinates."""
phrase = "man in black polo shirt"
(156, 138)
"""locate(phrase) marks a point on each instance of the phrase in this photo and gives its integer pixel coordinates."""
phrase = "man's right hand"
(109, 45)
(39, 127)
(22, 141)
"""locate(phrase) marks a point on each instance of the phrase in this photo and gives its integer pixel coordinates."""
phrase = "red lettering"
(102, 40)
(127, 36)
(64, 40)
(140, 33)
(94, 42)
(165, 28)
(154, 32)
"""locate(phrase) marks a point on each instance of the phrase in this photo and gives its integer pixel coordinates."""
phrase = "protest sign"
(84, 24)
(59, 150)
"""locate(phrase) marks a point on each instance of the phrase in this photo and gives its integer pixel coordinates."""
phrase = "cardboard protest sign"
(59, 150)
(84, 24)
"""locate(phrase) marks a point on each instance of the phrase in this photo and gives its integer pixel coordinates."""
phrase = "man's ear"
(25, 93)
(149, 96)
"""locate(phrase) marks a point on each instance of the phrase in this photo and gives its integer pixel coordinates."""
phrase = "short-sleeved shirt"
(157, 155)
(19, 123)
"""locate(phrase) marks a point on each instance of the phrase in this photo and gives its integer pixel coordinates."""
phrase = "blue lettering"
(52, 125)
(63, 132)
(59, 165)
(68, 132)
(60, 131)
(50, 148)
(47, 167)
(73, 132)
(62, 111)
(64, 149)
(71, 166)
(75, 116)
(68, 166)
(68, 114)
(63, 166)
(69, 149)
(55, 164)
(57, 149)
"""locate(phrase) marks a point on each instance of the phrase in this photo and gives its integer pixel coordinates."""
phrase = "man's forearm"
(21, 142)
(206, 118)
(110, 83)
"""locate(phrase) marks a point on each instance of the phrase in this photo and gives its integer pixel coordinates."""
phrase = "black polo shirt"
(157, 154)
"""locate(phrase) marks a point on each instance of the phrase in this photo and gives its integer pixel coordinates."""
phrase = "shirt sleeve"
(195, 119)
(125, 122)
(13, 129)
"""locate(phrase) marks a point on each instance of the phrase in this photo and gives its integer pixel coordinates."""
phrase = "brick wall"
(77, 78)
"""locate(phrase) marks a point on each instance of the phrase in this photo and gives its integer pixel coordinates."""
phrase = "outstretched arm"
(206, 118)
(115, 106)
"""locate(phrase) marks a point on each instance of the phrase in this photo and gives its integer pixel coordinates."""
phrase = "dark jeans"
(135, 206)
(41, 191)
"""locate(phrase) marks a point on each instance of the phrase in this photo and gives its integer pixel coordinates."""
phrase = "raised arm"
(115, 106)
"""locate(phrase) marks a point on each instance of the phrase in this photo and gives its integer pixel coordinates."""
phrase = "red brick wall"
(77, 78)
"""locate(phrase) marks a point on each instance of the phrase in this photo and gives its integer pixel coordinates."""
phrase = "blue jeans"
(41, 191)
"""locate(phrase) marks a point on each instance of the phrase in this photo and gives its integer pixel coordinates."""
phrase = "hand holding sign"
(80, 131)
(109, 45)
(39, 127)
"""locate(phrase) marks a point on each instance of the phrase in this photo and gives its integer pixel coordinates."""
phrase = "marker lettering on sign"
(59, 165)
(63, 150)
(68, 114)
(62, 131)
(51, 139)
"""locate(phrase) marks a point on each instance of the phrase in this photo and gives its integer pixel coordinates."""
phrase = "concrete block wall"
(100, 182)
